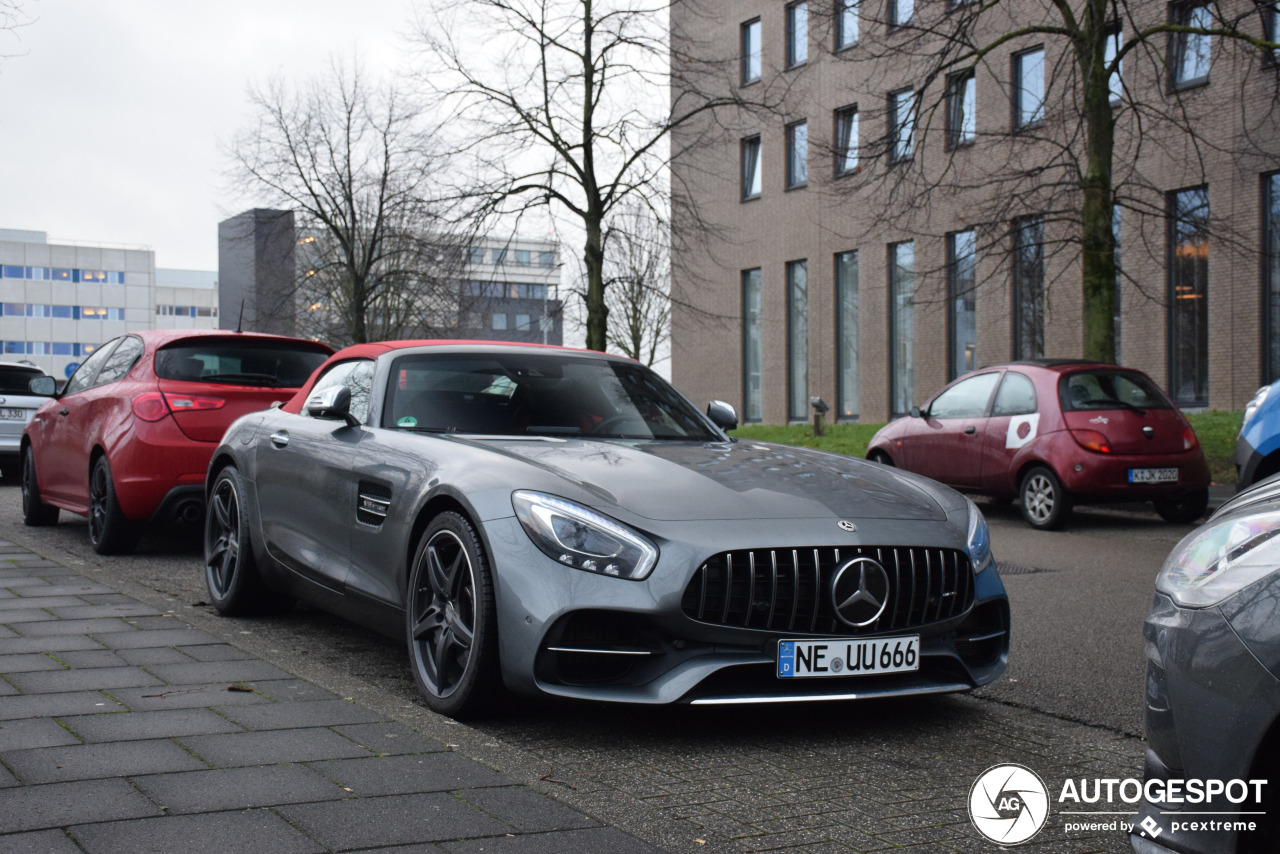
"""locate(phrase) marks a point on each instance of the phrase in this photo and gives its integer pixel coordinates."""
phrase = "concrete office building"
(507, 289)
(817, 290)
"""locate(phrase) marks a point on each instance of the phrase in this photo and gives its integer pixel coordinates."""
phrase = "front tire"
(230, 569)
(110, 531)
(1187, 507)
(1045, 504)
(35, 513)
(882, 458)
(451, 620)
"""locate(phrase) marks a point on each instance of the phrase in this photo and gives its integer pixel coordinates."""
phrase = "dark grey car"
(1213, 685)
(560, 522)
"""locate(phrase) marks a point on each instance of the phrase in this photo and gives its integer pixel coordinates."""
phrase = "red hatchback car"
(129, 438)
(1052, 433)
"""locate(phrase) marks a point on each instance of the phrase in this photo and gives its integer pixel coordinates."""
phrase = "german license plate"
(1153, 475)
(847, 657)
(13, 415)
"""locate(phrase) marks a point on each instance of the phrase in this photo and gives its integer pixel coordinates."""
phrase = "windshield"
(540, 394)
(241, 361)
(1087, 390)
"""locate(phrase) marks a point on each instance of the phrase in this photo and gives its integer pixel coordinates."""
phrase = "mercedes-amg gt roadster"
(550, 521)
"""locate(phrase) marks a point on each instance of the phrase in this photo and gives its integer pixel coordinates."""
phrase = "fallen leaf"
(240, 688)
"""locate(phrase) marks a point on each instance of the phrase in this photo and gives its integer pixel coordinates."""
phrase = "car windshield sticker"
(1022, 429)
(407, 421)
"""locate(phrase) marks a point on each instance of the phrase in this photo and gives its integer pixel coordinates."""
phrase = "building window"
(902, 326)
(752, 348)
(846, 134)
(1028, 288)
(751, 180)
(1115, 82)
(1271, 27)
(846, 23)
(1028, 93)
(1190, 52)
(961, 124)
(498, 322)
(1271, 277)
(797, 34)
(847, 334)
(797, 340)
(900, 12)
(499, 257)
(546, 259)
(523, 323)
(475, 255)
(523, 258)
(751, 51)
(797, 155)
(1189, 296)
(902, 125)
(962, 283)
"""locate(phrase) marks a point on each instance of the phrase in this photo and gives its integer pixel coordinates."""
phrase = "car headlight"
(1252, 406)
(1221, 559)
(979, 540)
(576, 536)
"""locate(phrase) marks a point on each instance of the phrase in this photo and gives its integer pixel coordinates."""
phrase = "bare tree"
(638, 284)
(1113, 75)
(571, 107)
(378, 251)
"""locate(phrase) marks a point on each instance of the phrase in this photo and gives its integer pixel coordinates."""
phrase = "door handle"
(280, 438)
(64, 411)
(970, 430)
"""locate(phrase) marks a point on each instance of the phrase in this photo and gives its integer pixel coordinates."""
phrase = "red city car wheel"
(110, 532)
(1045, 504)
(35, 513)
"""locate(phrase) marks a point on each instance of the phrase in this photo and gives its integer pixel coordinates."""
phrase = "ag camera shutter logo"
(1008, 804)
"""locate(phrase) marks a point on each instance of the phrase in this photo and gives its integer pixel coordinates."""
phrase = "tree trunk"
(593, 260)
(1098, 256)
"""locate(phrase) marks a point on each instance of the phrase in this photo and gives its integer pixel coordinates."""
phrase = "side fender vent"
(373, 503)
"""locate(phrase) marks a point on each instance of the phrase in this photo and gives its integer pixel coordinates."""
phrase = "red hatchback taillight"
(1092, 440)
(150, 406)
(1189, 440)
(192, 402)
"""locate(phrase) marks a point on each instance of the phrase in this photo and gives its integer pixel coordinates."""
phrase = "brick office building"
(865, 258)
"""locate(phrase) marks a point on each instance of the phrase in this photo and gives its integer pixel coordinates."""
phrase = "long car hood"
(743, 480)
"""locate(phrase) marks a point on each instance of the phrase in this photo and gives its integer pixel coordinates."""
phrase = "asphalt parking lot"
(865, 777)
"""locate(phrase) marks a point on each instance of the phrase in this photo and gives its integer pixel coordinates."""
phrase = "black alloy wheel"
(230, 569)
(35, 513)
(110, 531)
(451, 622)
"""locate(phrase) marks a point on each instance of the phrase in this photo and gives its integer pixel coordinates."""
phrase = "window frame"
(954, 294)
(896, 126)
(797, 42)
(1021, 119)
(797, 340)
(1039, 322)
(845, 11)
(798, 154)
(751, 179)
(1115, 80)
(896, 19)
(750, 59)
(1271, 276)
(963, 84)
(901, 378)
(848, 374)
(1181, 13)
(842, 146)
(750, 395)
(1200, 377)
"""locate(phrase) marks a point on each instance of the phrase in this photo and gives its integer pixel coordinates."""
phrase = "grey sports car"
(560, 522)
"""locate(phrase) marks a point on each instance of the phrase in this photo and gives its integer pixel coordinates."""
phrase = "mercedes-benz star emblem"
(860, 591)
(846, 526)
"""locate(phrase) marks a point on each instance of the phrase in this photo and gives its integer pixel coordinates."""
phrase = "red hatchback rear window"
(240, 361)
(1109, 389)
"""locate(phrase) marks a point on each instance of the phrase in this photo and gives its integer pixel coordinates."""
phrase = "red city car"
(129, 438)
(1051, 433)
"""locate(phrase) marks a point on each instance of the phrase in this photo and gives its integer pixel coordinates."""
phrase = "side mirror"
(915, 412)
(723, 415)
(43, 386)
(332, 403)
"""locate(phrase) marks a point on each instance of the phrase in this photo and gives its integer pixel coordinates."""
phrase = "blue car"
(1258, 448)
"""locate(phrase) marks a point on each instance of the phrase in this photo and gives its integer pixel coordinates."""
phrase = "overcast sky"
(112, 111)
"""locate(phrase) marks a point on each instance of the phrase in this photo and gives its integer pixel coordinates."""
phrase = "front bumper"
(1210, 704)
(569, 633)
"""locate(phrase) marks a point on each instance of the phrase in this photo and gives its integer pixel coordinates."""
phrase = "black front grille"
(789, 590)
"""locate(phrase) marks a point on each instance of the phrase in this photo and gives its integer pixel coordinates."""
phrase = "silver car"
(559, 522)
(17, 406)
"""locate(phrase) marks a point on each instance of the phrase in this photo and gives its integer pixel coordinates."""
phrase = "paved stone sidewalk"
(124, 730)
